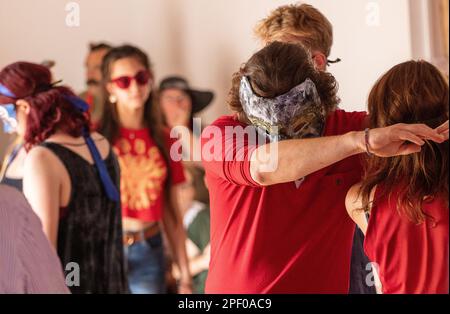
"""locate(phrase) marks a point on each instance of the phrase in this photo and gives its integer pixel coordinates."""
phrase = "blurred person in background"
(150, 179)
(93, 94)
(196, 221)
(11, 172)
(71, 176)
(29, 264)
(180, 103)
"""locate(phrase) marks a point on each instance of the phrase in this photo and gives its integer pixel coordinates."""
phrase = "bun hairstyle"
(50, 111)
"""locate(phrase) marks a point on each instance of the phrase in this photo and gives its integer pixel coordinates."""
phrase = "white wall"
(204, 40)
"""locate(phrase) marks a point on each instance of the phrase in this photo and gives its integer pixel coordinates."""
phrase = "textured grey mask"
(295, 114)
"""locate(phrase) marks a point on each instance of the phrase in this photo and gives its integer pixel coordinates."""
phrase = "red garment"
(143, 174)
(280, 239)
(411, 258)
(89, 100)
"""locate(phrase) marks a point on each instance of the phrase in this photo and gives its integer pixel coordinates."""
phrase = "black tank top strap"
(90, 232)
(17, 183)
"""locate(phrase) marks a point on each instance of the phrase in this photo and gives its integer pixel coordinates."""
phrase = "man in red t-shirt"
(304, 24)
(278, 220)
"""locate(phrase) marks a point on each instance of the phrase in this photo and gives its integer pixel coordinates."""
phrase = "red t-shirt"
(411, 258)
(144, 174)
(279, 239)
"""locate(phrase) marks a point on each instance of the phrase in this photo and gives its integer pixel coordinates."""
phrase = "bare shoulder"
(98, 137)
(102, 143)
(41, 158)
(354, 205)
(353, 199)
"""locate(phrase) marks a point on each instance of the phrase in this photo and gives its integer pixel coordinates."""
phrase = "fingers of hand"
(422, 131)
(407, 149)
(443, 128)
(409, 136)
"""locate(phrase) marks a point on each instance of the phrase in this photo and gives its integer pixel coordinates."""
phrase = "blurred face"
(22, 111)
(176, 106)
(130, 83)
(93, 70)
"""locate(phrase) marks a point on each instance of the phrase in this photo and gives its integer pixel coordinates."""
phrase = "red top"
(411, 258)
(143, 174)
(89, 100)
(279, 239)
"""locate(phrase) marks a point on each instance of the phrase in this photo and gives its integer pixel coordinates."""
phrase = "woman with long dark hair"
(71, 177)
(149, 177)
(402, 202)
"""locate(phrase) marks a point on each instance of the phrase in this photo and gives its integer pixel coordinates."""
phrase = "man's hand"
(402, 139)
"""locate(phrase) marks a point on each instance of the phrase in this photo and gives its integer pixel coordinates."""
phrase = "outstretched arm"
(290, 160)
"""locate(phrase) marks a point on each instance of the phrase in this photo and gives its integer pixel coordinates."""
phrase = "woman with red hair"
(401, 204)
(70, 177)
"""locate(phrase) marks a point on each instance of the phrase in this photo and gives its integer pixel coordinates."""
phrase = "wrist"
(185, 277)
(184, 282)
(185, 286)
(357, 140)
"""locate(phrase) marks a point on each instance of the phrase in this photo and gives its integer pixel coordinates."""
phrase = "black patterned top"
(90, 227)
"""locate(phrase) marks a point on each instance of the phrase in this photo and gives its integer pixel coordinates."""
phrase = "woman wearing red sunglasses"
(149, 178)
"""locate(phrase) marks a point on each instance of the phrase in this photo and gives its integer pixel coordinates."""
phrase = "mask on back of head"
(293, 115)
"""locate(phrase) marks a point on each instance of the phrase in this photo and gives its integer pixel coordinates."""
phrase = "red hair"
(411, 92)
(50, 111)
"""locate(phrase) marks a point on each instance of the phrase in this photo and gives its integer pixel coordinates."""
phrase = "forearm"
(177, 238)
(199, 264)
(181, 255)
(298, 158)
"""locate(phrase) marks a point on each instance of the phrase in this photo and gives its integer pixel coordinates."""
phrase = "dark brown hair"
(93, 47)
(411, 92)
(276, 69)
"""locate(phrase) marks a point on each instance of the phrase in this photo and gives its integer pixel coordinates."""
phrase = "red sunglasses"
(142, 78)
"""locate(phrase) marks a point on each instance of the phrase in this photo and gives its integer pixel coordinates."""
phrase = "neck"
(131, 118)
(61, 136)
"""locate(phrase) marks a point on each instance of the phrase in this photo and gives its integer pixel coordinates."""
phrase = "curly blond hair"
(297, 23)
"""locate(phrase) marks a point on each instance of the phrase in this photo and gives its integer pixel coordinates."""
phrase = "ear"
(109, 88)
(24, 106)
(152, 79)
(320, 61)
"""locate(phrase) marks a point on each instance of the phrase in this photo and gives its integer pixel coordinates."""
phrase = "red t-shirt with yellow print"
(144, 174)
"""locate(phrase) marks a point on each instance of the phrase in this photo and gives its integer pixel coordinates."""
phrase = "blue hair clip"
(78, 103)
(6, 92)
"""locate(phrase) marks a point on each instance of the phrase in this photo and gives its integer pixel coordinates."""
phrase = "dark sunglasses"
(142, 78)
